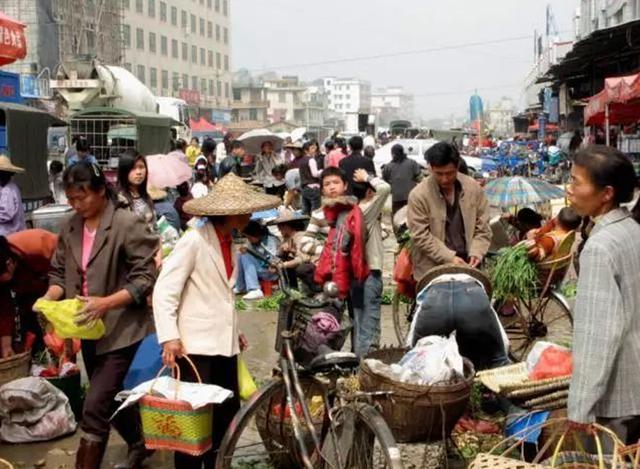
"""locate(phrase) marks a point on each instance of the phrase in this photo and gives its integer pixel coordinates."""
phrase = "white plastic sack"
(536, 352)
(435, 359)
(32, 409)
(196, 394)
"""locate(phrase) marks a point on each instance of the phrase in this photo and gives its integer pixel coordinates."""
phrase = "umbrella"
(254, 139)
(517, 191)
(14, 43)
(167, 170)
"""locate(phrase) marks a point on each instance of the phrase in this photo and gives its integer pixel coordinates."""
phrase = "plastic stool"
(267, 287)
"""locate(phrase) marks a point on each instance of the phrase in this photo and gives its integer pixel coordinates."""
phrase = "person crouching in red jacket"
(343, 259)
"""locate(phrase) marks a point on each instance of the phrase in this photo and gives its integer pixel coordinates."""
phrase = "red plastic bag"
(403, 274)
(554, 362)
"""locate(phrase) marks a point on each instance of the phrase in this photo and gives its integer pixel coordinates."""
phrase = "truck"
(178, 110)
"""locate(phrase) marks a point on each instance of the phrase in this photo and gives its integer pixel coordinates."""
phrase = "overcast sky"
(281, 35)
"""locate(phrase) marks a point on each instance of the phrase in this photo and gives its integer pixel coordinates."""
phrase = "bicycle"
(305, 416)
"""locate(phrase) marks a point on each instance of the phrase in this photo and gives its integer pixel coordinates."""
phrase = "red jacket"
(343, 257)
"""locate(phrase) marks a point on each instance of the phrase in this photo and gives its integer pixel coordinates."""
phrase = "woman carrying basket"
(105, 257)
(193, 300)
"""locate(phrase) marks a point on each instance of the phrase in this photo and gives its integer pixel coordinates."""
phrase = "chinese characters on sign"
(13, 45)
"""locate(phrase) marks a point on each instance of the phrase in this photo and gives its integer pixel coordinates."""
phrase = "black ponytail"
(87, 176)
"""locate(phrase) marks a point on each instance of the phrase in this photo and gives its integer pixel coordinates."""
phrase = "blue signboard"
(10, 87)
(220, 116)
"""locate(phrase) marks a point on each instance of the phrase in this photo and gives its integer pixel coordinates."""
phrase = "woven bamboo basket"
(416, 412)
(492, 461)
(14, 367)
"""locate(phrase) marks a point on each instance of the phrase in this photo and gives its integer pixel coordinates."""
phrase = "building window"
(141, 74)
(210, 58)
(209, 29)
(226, 63)
(218, 61)
(226, 36)
(209, 3)
(193, 24)
(211, 92)
(164, 49)
(281, 97)
(225, 7)
(203, 86)
(126, 35)
(139, 38)
(201, 26)
(163, 12)
(152, 42)
(174, 16)
(218, 88)
(217, 5)
(183, 19)
(174, 48)
(194, 54)
(153, 78)
(175, 81)
(126, 4)
(127, 65)
(203, 60)
(152, 8)
(194, 83)
(185, 81)
(253, 114)
(218, 32)
(226, 89)
(165, 80)
(185, 51)
(139, 6)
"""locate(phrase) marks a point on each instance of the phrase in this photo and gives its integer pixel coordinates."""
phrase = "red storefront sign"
(13, 44)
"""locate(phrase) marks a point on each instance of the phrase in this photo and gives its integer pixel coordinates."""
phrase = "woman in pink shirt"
(337, 154)
(105, 256)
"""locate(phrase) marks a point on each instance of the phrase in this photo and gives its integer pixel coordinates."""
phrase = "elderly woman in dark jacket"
(105, 256)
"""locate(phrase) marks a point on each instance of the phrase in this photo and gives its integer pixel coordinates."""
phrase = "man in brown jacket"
(447, 215)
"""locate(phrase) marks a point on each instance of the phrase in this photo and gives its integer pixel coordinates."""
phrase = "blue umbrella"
(520, 191)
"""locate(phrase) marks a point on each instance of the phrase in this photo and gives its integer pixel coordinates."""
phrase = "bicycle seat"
(334, 360)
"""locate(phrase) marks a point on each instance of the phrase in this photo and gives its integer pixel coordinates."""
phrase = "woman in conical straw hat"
(11, 210)
(193, 300)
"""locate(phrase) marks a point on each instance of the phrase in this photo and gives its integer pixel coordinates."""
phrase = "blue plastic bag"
(527, 427)
(146, 363)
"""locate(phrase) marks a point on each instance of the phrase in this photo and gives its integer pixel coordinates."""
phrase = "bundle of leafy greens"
(515, 275)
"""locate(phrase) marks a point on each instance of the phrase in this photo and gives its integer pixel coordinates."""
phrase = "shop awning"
(548, 128)
(13, 43)
(203, 125)
(622, 95)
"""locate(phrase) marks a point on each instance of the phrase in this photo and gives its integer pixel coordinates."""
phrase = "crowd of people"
(328, 229)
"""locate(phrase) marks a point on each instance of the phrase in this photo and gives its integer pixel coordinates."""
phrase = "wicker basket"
(14, 367)
(492, 461)
(416, 412)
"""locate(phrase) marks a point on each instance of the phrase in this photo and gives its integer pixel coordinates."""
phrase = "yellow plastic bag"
(246, 385)
(62, 315)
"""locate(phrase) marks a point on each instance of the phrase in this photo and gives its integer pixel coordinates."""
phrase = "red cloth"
(30, 280)
(343, 257)
(225, 245)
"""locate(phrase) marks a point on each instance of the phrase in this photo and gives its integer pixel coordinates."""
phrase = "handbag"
(172, 424)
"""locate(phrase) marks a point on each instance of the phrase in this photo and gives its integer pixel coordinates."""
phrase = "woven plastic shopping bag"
(172, 424)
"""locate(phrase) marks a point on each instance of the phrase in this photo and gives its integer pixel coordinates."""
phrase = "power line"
(467, 91)
(397, 54)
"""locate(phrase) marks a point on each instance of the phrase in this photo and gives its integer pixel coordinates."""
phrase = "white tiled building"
(181, 48)
(392, 103)
(348, 95)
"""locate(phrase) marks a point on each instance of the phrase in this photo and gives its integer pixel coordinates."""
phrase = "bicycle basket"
(294, 315)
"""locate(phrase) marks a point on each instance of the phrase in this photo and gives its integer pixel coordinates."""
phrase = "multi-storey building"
(348, 95)
(390, 104)
(182, 48)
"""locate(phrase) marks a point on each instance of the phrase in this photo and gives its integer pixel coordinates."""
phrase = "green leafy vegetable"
(514, 276)
(241, 305)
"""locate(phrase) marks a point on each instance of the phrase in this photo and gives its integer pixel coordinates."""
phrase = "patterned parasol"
(519, 191)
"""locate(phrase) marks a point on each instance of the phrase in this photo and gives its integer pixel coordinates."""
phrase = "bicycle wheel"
(261, 433)
(363, 440)
(402, 315)
(544, 319)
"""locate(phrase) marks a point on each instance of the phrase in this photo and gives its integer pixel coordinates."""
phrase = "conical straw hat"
(231, 196)
(6, 165)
